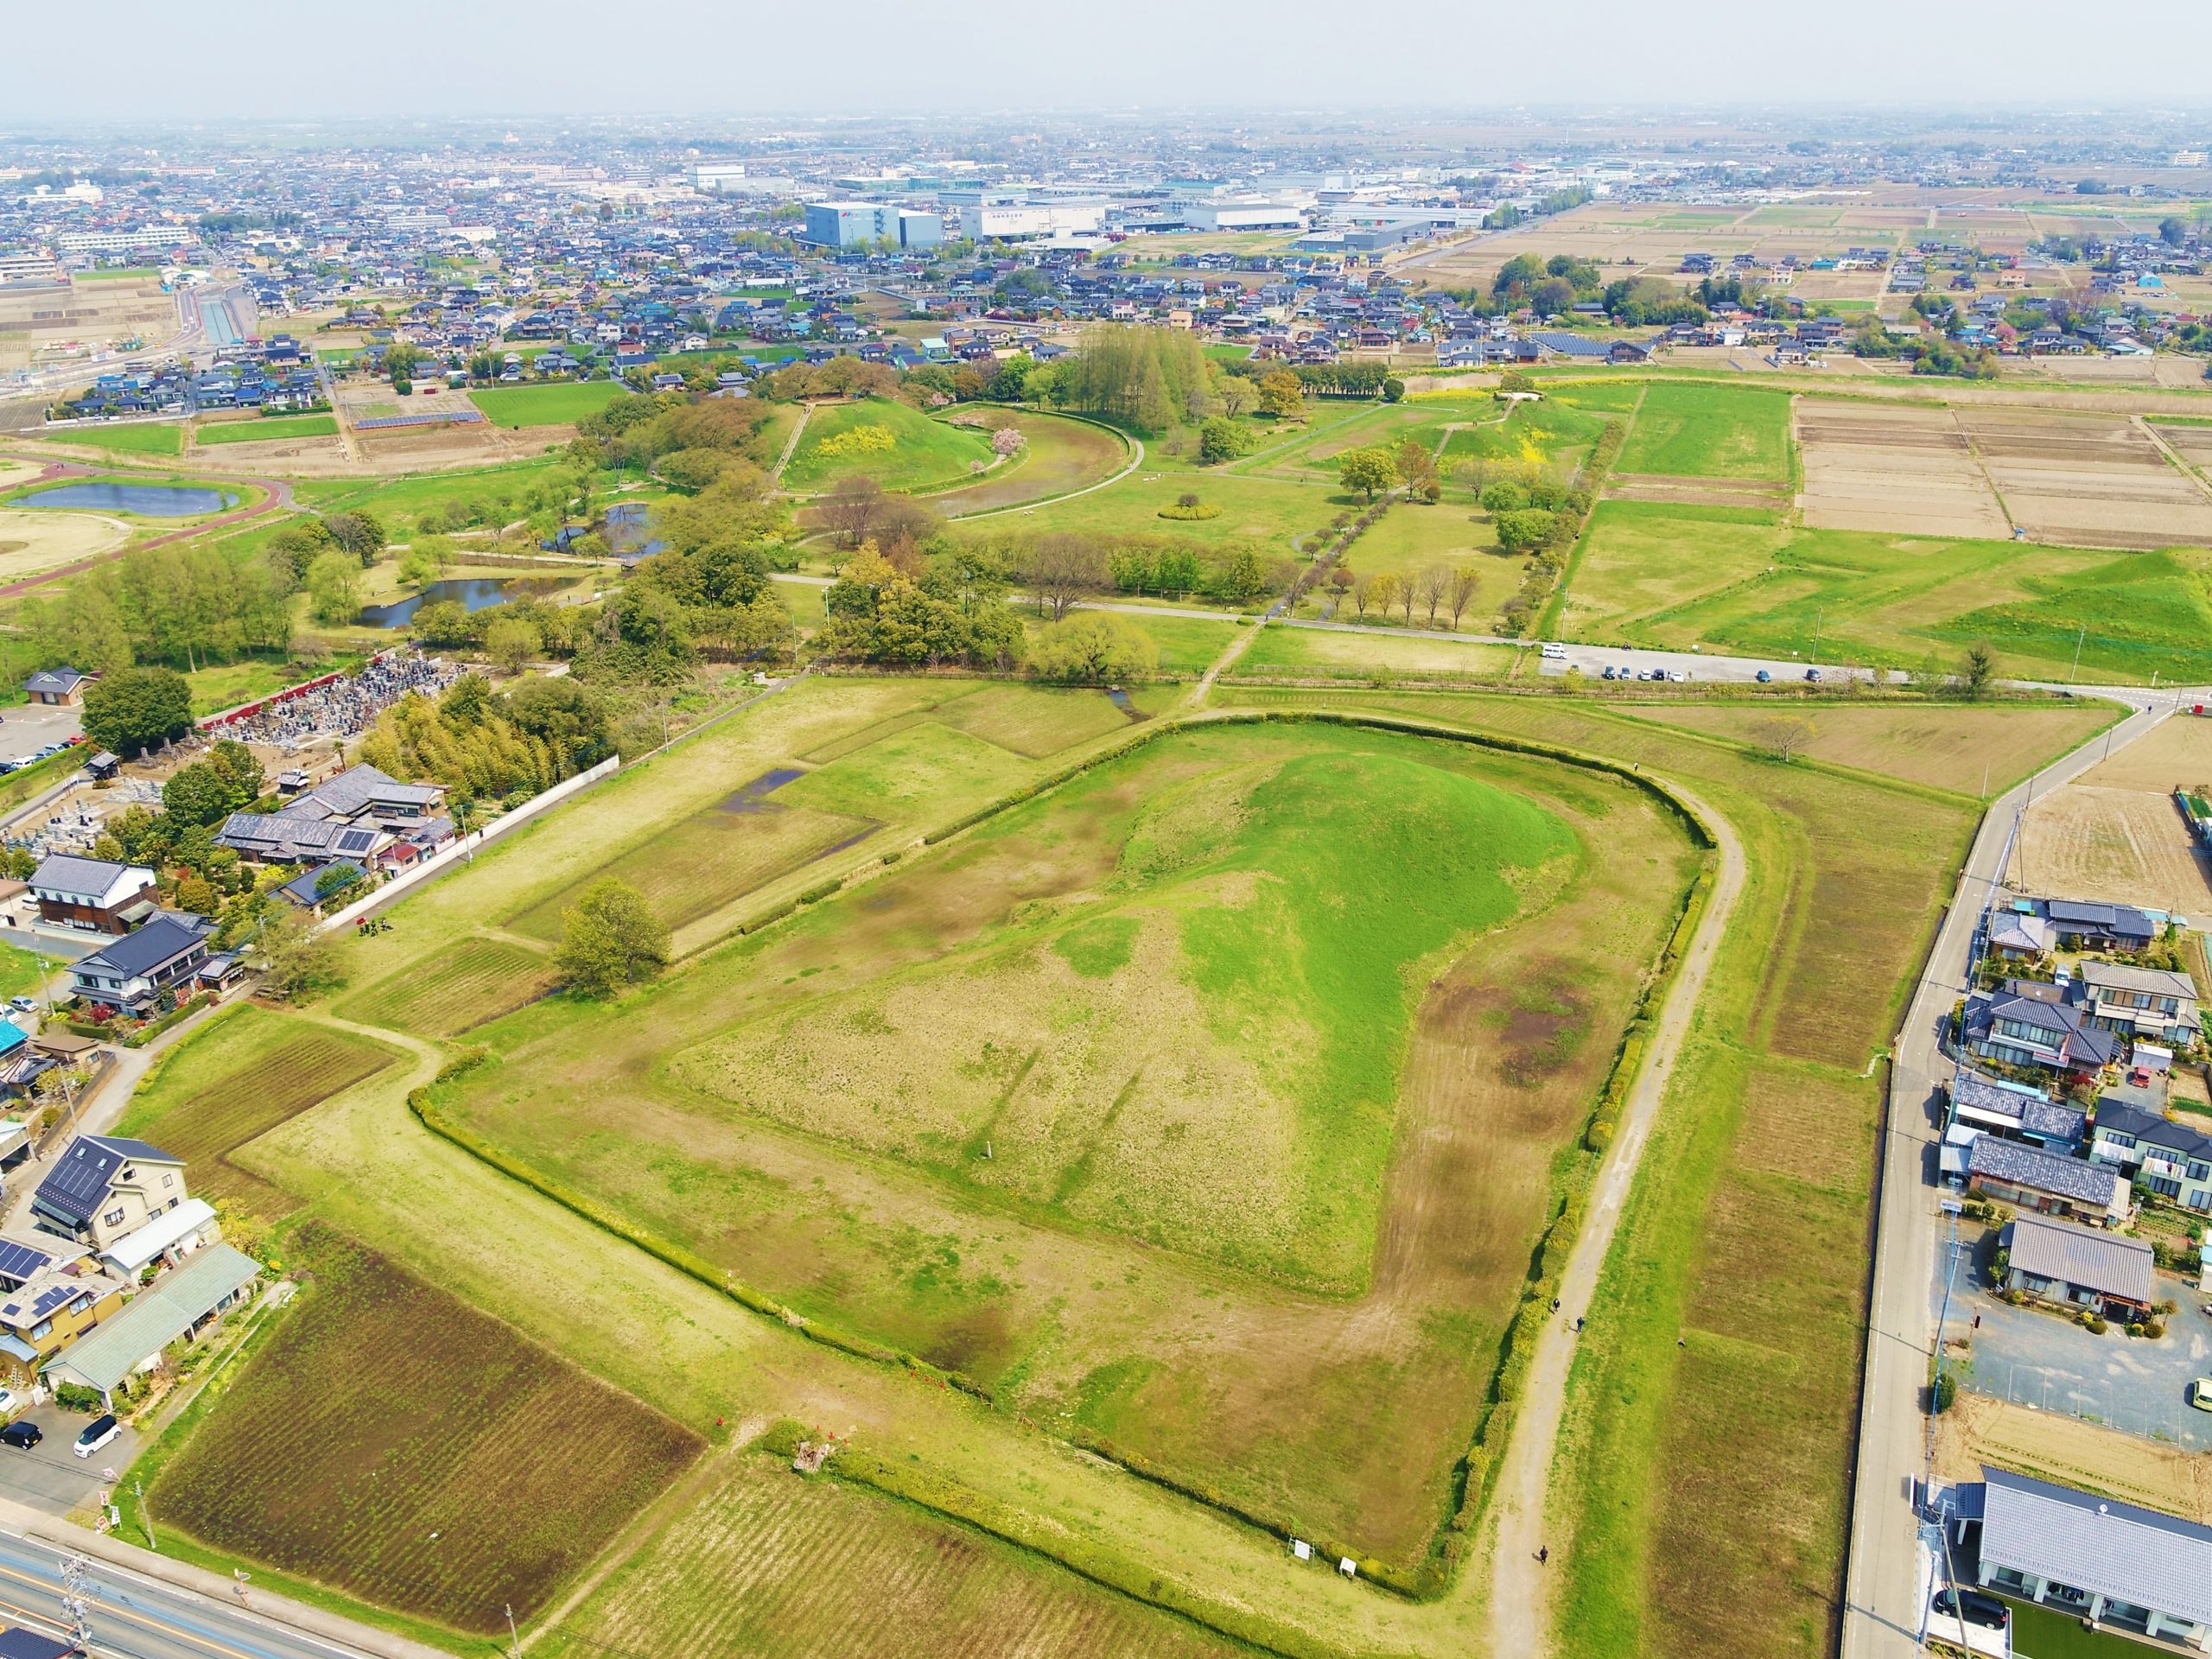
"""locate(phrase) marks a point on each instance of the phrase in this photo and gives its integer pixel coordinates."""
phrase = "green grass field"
(409, 494)
(560, 404)
(1283, 652)
(1187, 644)
(268, 430)
(343, 1454)
(1661, 574)
(1256, 508)
(136, 438)
(883, 439)
(1696, 430)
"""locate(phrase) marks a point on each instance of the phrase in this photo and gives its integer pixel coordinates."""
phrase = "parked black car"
(22, 1434)
(1973, 1607)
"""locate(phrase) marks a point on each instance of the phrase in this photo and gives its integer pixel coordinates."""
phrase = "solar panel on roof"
(20, 1261)
(357, 840)
(51, 1298)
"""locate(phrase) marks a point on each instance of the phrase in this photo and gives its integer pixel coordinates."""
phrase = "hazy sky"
(292, 58)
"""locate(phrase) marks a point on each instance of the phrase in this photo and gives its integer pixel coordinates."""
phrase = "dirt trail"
(791, 444)
(1520, 1587)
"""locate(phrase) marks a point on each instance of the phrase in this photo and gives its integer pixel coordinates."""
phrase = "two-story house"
(2141, 1004)
(2025, 1024)
(2168, 1158)
(104, 1187)
(133, 973)
(51, 1292)
(93, 894)
(2028, 1178)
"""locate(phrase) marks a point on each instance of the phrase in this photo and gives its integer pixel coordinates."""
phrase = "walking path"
(791, 444)
(278, 497)
(1520, 1600)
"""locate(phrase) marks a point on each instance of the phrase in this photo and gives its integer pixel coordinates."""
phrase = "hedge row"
(673, 1256)
(183, 1011)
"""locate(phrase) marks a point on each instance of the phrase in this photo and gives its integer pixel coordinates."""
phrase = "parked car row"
(23, 1435)
(1679, 676)
(46, 753)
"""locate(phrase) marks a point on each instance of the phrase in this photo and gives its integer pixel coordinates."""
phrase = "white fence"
(464, 845)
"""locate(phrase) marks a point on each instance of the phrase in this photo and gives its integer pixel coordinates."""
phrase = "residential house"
(2030, 1178)
(2019, 936)
(176, 1309)
(2029, 1024)
(136, 971)
(2169, 1158)
(2100, 927)
(93, 894)
(2142, 1004)
(104, 1187)
(2092, 1558)
(2058, 1262)
(58, 686)
(2016, 1111)
(168, 1239)
(51, 1292)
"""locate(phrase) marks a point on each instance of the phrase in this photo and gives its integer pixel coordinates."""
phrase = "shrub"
(2154, 1329)
(1947, 1391)
(2097, 1325)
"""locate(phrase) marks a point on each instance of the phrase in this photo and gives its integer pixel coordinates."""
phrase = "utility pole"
(145, 1515)
(514, 1640)
(76, 1605)
(2079, 636)
(1942, 1320)
(1820, 616)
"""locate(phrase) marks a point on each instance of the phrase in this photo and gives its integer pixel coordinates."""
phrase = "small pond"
(470, 593)
(147, 501)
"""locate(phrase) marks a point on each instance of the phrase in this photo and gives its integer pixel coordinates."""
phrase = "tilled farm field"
(394, 1443)
(1871, 467)
(2087, 480)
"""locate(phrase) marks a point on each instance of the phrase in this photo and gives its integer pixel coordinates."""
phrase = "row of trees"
(1448, 589)
(484, 744)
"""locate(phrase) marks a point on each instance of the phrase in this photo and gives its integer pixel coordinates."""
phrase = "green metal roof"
(104, 1355)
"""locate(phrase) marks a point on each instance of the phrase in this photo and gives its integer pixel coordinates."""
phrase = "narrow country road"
(1883, 1600)
(1520, 1585)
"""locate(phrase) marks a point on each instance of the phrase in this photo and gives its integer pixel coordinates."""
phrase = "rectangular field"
(136, 438)
(268, 430)
(1894, 468)
(2115, 835)
(711, 858)
(1969, 750)
(762, 1563)
(476, 981)
(562, 404)
(1283, 652)
(1690, 428)
(250, 1072)
(392, 1442)
(1032, 721)
(2088, 480)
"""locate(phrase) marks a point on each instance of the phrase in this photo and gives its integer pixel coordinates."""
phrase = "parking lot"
(2039, 1359)
(25, 730)
(50, 1476)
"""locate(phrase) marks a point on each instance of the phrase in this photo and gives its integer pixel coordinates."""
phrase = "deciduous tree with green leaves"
(133, 709)
(1369, 469)
(610, 938)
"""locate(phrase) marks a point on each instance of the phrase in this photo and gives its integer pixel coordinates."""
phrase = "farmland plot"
(1694, 429)
(2114, 834)
(770, 1564)
(241, 1078)
(1894, 468)
(476, 981)
(392, 1442)
(2087, 480)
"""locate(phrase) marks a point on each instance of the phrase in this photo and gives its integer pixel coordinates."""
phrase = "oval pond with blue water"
(147, 501)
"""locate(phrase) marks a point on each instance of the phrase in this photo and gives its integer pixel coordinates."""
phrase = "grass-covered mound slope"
(1207, 1053)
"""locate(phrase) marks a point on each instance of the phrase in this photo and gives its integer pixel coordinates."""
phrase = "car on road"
(1762, 676)
(1554, 651)
(22, 1435)
(1973, 1607)
(98, 1433)
(1814, 675)
(1608, 674)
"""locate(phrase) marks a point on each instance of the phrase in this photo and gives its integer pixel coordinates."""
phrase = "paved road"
(1882, 1595)
(1520, 1598)
(135, 1617)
